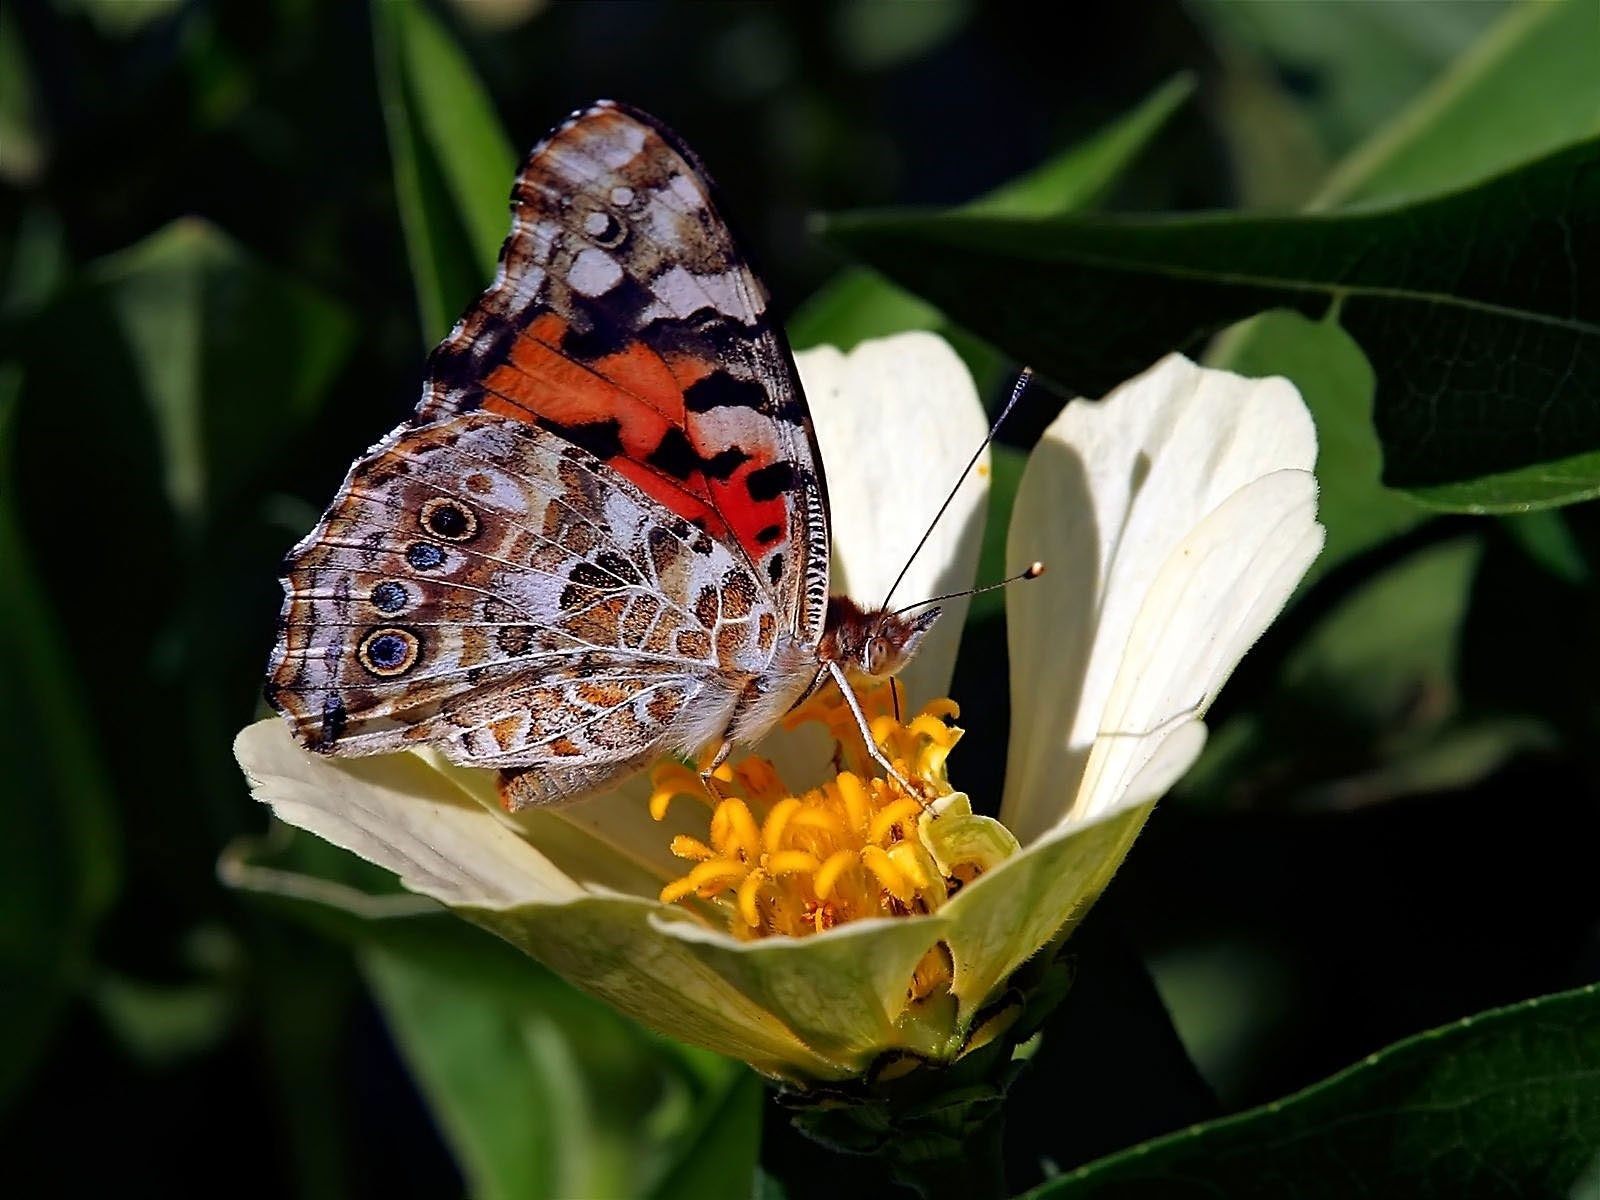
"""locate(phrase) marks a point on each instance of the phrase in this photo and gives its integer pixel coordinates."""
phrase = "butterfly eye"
(449, 519)
(872, 655)
(389, 652)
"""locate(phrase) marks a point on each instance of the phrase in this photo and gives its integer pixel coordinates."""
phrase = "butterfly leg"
(878, 756)
(709, 769)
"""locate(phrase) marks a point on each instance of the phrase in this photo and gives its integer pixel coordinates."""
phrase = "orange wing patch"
(625, 319)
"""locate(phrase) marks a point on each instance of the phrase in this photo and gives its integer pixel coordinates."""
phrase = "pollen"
(775, 863)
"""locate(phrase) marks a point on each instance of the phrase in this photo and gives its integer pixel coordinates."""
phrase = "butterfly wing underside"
(607, 507)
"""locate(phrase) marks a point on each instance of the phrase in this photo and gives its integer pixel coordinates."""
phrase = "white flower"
(1176, 516)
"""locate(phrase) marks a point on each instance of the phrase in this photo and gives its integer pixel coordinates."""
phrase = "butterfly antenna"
(1031, 571)
(1016, 394)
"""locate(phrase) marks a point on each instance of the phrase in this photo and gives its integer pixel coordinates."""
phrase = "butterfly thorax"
(759, 699)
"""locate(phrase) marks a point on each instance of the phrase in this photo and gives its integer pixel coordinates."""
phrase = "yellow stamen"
(715, 875)
(669, 781)
(857, 846)
(854, 794)
(734, 831)
(900, 812)
(684, 846)
(881, 865)
(828, 874)
(933, 973)
(818, 818)
(777, 823)
(788, 862)
(747, 899)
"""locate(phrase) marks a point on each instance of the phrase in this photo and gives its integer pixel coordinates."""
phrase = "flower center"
(858, 846)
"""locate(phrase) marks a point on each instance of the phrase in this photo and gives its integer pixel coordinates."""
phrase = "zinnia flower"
(818, 918)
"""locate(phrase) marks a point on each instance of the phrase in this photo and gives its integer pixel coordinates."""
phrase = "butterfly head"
(876, 643)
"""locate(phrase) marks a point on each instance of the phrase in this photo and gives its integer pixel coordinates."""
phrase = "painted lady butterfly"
(603, 537)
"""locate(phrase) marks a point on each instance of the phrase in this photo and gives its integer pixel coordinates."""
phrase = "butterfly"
(603, 537)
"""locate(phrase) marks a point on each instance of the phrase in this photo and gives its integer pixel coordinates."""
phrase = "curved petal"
(1006, 916)
(606, 840)
(625, 952)
(1110, 495)
(1039, 896)
(1214, 597)
(396, 811)
(897, 420)
(820, 1007)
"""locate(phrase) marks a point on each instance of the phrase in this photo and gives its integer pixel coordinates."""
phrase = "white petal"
(897, 419)
(605, 840)
(1215, 596)
(1110, 500)
(398, 812)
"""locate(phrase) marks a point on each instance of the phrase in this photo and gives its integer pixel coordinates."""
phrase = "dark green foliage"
(1502, 1104)
(1477, 309)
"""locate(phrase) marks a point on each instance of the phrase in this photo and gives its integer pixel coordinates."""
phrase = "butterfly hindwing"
(485, 586)
(625, 319)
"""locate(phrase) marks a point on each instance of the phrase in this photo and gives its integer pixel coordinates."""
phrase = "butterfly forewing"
(625, 319)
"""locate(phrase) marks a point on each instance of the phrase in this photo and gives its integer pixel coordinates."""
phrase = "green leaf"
(1080, 176)
(1491, 109)
(1544, 485)
(473, 1059)
(1504, 1103)
(1362, 61)
(1546, 539)
(118, 18)
(1337, 384)
(1480, 116)
(227, 356)
(1471, 306)
(453, 163)
(1366, 706)
(59, 858)
(539, 1090)
(37, 263)
(720, 1158)
(23, 144)
(861, 304)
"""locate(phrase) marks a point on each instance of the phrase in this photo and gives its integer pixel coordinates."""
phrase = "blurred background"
(207, 309)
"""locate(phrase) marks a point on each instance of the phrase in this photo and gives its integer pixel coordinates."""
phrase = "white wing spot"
(622, 196)
(679, 293)
(684, 189)
(620, 145)
(596, 224)
(594, 272)
(526, 288)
